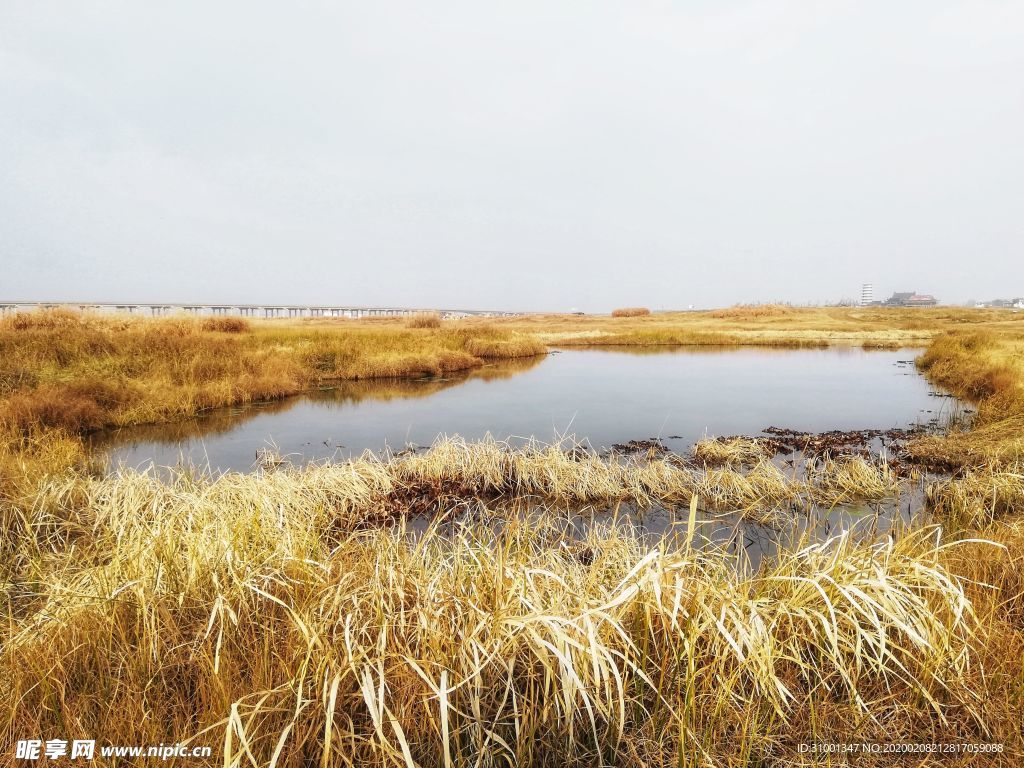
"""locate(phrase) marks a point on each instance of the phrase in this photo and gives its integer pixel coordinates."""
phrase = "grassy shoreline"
(79, 372)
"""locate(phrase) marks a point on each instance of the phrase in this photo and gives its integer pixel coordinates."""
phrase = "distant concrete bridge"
(160, 309)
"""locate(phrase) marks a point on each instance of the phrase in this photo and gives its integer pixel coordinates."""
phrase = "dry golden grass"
(370, 488)
(226, 324)
(424, 320)
(288, 619)
(77, 372)
(631, 312)
(784, 326)
(27, 459)
(733, 451)
(851, 478)
(994, 582)
(753, 311)
(978, 497)
(221, 615)
(986, 367)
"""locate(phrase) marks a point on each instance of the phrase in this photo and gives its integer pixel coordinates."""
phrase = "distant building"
(911, 299)
(867, 294)
(1017, 303)
(898, 299)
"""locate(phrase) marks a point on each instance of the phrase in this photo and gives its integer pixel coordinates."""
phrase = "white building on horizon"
(867, 294)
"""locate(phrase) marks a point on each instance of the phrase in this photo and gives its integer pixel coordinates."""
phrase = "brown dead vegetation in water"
(631, 312)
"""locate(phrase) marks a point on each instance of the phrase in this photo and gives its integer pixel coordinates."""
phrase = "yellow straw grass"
(254, 629)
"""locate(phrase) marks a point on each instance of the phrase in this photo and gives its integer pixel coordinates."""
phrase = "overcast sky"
(518, 155)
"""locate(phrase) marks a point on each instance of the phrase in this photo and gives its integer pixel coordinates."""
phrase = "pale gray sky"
(520, 155)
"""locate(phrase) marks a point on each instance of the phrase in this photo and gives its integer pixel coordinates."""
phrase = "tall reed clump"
(970, 363)
(487, 342)
(851, 478)
(251, 621)
(226, 324)
(26, 460)
(424, 320)
(977, 498)
(732, 451)
(630, 312)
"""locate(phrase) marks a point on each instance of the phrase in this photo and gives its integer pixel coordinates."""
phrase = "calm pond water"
(603, 396)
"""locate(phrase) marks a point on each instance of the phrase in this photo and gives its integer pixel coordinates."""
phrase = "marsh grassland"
(289, 618)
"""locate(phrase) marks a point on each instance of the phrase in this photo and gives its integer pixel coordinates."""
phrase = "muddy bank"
(787, 446)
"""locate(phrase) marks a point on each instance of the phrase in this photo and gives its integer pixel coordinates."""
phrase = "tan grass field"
(287, 618)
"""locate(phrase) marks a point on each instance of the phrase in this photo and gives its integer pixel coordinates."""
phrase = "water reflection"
(602, 396)
(220, 421)
(753, 542)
